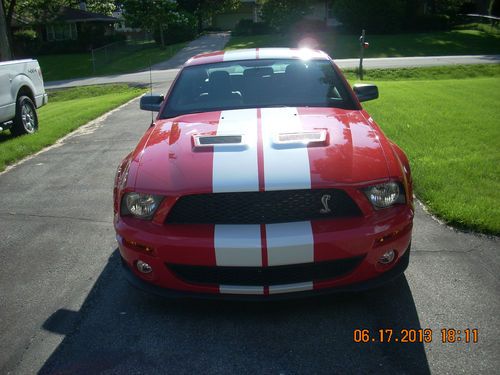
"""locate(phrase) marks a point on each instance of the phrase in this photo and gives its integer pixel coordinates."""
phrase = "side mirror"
(365, 91)
(151, 102)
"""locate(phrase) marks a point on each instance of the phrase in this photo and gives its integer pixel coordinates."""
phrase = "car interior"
(247, 84)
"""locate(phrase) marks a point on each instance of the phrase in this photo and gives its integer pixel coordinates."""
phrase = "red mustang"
(262, 176)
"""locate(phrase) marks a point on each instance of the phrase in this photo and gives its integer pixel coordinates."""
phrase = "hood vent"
(301, 137)
(217, 140)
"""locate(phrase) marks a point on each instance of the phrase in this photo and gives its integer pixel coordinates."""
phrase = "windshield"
(256, 84)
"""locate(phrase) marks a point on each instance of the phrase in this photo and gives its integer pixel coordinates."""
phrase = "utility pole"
(5, 53)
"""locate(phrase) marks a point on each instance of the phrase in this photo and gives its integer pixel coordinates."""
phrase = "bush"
(309, 26)
(432, 22)
(281, 15)
(28, 35)
(248, 27)
(180, 28)
(382, 16)
(94, 36)
(25, 43)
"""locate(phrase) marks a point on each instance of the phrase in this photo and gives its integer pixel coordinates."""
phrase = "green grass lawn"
(67, 110)
(427, 73)
(449, 130)
(461, 41)
(59, 67)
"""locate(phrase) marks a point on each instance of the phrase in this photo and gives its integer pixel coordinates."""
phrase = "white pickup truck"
(21, 93)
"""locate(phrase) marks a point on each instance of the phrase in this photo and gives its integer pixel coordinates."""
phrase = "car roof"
(257, 53)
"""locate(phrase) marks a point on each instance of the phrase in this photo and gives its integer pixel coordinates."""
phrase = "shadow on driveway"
(121, 330)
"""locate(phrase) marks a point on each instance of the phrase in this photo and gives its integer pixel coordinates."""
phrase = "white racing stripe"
(289, 243)
(285, 168)
(238, 245)
(235, 167)
(289, 288)
(241, 289)
(242, 54)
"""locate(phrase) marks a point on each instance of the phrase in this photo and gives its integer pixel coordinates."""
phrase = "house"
(69, 23)
(61, 30)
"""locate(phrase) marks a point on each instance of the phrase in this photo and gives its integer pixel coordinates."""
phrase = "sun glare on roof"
(308, 43)
(305, 53)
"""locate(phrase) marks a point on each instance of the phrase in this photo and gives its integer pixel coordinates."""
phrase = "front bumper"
(377, 282)
(41, 100)
(365, 238)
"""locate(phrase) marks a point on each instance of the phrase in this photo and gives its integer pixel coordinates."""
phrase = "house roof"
(67, 14)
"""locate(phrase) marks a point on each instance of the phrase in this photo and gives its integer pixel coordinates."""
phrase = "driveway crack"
(93, 220)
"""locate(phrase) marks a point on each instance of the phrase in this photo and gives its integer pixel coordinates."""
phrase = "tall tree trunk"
(10, 12)
(5, 53)
(8, 20)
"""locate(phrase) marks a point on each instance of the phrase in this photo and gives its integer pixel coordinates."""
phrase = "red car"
(263, 177)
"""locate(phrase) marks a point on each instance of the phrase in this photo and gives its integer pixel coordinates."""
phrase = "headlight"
(385, 195)
(140, 205)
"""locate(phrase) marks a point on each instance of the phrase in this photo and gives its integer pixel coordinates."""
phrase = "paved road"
(166, 72)
(65, 308)
(419, 61)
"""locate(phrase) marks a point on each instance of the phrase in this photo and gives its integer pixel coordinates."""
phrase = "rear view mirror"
(365, 91)
(151, 102)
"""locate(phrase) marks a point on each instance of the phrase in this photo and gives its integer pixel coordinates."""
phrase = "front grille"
(274, 275)
(262, 207)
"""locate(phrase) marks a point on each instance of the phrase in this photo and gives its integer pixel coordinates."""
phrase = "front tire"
(26, 120)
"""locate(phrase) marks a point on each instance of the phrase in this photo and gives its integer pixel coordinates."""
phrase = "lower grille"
(273, 275)
(263, 207)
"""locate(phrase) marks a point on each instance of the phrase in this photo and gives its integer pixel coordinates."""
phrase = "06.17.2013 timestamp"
(419, 335)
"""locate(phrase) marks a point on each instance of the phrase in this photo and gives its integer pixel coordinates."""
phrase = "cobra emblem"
(324, 201)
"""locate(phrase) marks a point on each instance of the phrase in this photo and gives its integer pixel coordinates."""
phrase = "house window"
(62, 31)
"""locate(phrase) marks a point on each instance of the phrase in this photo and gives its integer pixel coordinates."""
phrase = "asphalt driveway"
(65, 308)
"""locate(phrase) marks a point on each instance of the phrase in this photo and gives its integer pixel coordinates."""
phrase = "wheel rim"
(28, 118)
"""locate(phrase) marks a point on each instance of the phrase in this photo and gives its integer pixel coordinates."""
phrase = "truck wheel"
(26, 120)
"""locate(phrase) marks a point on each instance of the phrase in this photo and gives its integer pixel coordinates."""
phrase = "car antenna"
(151, 88)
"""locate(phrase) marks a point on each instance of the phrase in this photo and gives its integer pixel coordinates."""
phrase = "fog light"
(143, 267)
(387, 257)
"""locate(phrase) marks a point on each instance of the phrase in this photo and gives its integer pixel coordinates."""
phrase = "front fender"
(19, 81)
(120, 181)
(405, 164)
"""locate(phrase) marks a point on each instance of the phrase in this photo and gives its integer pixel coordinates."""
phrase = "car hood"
(272, 152)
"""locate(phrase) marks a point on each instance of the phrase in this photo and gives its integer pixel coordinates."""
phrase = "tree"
(206, 9)
(382, 16)
(5, 53)
(41, 10)
(100, 6)
(447, 7)
(282, 14)
(495, 8)
(150, 15)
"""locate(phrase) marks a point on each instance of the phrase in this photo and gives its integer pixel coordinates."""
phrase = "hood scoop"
(318, 138)
(201, 141)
